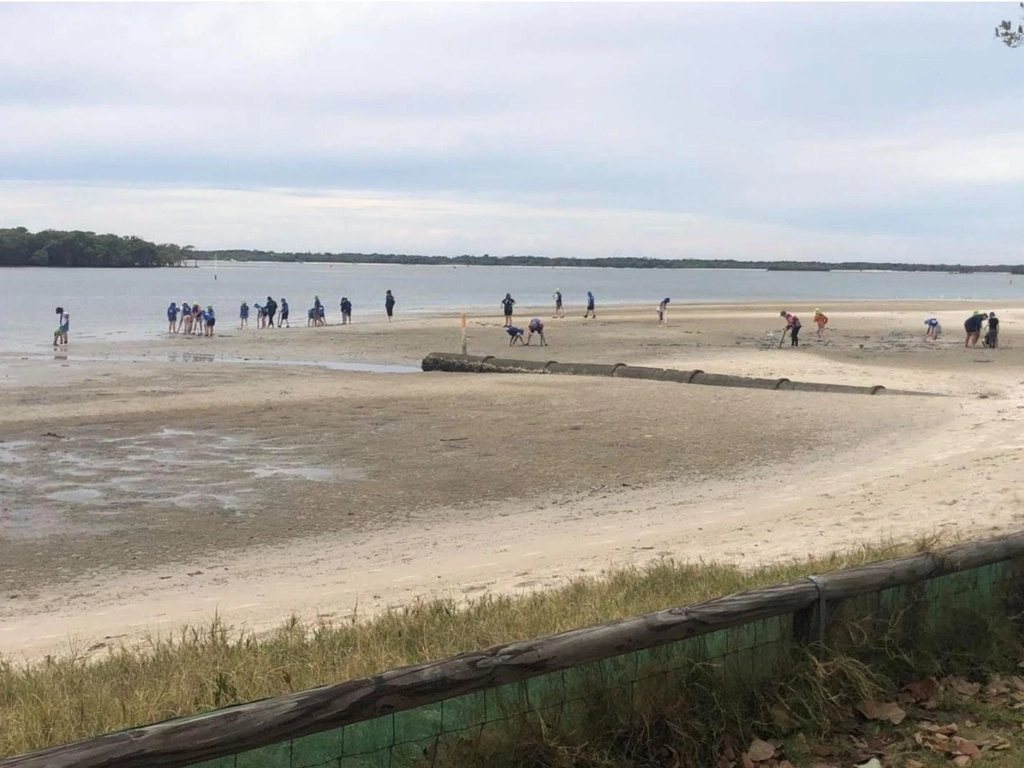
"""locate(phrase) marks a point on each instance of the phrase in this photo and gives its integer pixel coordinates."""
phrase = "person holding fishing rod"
(793, 326)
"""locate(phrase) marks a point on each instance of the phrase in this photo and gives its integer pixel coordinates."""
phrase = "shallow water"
(47, 486)
(131, 303)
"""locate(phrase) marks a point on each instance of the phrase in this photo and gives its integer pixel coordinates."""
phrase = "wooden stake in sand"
(783, 337)
(463, 333)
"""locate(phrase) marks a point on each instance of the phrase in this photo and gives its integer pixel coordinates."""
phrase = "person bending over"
(515, 334)
(793, 326)
(536, 326)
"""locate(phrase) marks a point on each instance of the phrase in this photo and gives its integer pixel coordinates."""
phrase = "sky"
(858, 131)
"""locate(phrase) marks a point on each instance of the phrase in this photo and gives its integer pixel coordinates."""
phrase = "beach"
(151, 483)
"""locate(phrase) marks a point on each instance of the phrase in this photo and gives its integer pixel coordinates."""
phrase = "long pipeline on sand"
(455, 363)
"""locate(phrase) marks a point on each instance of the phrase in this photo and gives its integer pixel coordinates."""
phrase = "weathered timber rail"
(455, 363)
(223, 732)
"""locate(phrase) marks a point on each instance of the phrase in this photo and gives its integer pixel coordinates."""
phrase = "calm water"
(131, 304)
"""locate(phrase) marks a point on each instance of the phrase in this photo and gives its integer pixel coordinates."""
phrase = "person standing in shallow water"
(172, 318)
(508, 302)
(389, 304)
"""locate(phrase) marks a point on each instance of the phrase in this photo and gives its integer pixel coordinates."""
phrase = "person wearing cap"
(243, 315)
(972, 325)
(507, 303)
(793, 326)
(559, 312)
(991, 339)
(820, 320)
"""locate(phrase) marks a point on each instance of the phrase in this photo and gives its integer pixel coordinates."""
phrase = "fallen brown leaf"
(965, 747)
(759, 751)
(963, 687)
(961, 760)
(875, 710)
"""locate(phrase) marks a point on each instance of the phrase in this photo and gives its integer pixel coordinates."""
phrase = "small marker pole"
(463, 333)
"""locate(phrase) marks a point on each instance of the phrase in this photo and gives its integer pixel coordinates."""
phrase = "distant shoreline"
(271, 257)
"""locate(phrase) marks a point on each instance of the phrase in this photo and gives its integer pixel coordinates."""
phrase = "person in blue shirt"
(934, 329)
(209, 320)
(590, 306)
(284, 314)
(508, 302)
(346, 311)
(243, 316)
(185, 326)
(310, 316)
(172, 318)
(515, 334)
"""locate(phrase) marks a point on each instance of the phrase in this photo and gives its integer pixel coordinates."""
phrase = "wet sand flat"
(148, 484)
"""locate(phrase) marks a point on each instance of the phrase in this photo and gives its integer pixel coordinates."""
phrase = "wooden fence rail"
(245, 727)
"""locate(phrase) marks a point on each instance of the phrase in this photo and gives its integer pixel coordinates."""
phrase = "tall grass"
(78, 695)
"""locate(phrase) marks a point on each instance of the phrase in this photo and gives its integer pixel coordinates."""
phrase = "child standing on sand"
(243, 316)
(820, 320)
(507, 303)
(663, 311)
(590, 306)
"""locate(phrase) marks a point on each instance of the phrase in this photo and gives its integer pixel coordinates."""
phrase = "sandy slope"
(324, 492)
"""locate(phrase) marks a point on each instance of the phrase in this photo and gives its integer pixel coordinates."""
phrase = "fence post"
(810, 623)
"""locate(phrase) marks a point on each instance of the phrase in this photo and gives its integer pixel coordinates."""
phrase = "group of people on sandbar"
(191, 319)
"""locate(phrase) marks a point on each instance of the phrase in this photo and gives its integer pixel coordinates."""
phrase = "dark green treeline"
(53, 248)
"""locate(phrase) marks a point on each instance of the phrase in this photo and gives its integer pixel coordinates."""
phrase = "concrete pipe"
(638, 372)
(581, 369)
(679, 377)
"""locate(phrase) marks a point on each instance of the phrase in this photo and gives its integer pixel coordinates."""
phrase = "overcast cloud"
(858, 131)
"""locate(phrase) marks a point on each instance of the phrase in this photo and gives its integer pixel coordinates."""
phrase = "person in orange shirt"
(820, 320)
